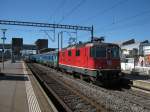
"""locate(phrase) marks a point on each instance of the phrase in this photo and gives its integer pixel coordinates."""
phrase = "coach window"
(78, 52)
(69, 53)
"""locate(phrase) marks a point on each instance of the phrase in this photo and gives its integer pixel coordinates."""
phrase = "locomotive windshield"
(115, 52)
(97, 52)
(103, 52)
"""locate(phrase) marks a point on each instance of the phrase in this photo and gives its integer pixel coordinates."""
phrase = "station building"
(139, 52)
(26, 50)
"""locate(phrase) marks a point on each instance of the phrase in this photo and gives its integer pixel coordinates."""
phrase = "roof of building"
(131, 46)
(25, 46)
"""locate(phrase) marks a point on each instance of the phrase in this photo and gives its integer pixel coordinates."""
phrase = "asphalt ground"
(19, 90)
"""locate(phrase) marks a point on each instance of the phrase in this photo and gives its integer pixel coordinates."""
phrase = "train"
(96, 60)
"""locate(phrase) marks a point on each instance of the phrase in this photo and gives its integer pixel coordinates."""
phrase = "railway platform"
(139, 80)
(20, 91)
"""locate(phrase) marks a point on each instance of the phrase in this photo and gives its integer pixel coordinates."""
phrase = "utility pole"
(58, 52)
(3, 38)
(92, 34)
(61, 39)
(60, 36)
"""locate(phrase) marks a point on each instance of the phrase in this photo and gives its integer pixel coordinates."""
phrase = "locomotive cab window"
(78, 52)
(69, 53)
(98, 52)
(115, 52)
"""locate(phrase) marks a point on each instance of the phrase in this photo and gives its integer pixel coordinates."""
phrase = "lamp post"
(3, 38)
(58, 52)
(60, 35)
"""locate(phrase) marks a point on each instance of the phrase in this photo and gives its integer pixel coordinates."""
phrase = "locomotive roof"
(89, 44)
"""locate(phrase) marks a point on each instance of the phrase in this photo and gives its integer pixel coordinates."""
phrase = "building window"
(78, 52)
(69, 53)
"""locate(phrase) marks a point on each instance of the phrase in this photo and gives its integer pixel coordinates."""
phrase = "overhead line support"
(73, 27)
(5, 22)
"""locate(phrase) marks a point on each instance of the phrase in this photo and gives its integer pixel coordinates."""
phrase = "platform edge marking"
(31, 98)
(45, 95)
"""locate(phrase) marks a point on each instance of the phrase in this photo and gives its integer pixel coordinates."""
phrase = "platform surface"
(12, 88)
(141, 81)
(16, 91)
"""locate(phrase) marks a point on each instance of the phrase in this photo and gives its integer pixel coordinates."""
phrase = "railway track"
(135, 97)
(69, 99)
(141, 92)
(124, 100)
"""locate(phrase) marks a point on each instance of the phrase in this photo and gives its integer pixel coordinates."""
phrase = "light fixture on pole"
(3, 38)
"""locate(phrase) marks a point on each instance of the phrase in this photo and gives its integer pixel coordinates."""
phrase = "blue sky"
(117, 20)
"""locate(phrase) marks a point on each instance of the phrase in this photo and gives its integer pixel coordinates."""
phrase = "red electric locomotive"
(95, 60)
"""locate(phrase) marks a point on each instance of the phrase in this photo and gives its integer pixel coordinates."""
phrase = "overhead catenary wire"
(72, 10)
(58, 8)
(52, 38)
(129, 18)
(127, 26)
(120, 2)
